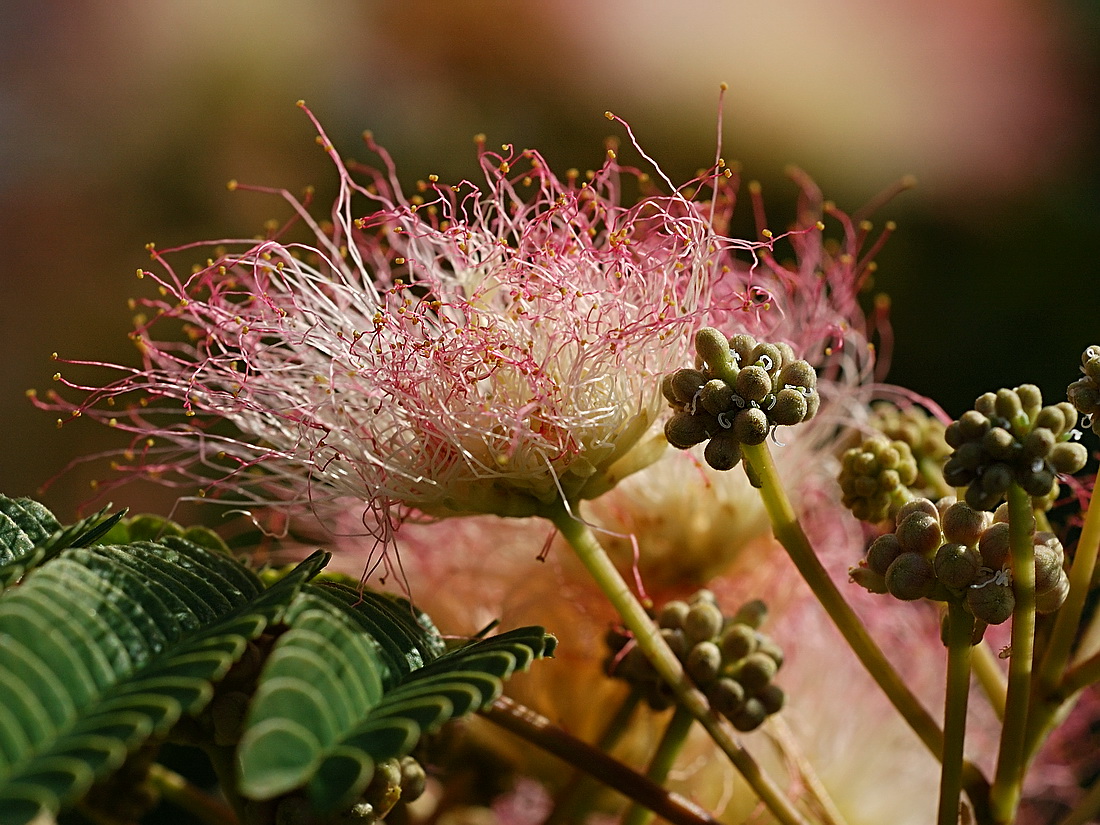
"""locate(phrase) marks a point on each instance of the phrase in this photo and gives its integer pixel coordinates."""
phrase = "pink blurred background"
(121, 122)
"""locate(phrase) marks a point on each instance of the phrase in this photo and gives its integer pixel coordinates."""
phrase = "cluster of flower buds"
(875, 477)
(739, 390)
(1010, 437)
(952, 551)
(728, 657)
(1084, 393)
(923, 433)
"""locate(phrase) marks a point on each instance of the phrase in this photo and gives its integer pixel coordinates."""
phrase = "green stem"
(667, 750)
(1005, 793)
(790, 534)
(990, 677)
(960, 628)
(575, 798)
(178, 790)
(1081, 675)
(539, 730)
(653, 646)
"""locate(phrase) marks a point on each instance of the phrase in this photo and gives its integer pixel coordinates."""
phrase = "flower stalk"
(672, 741)
(960, 628)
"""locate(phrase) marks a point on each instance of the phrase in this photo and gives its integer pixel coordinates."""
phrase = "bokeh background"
(121, 121)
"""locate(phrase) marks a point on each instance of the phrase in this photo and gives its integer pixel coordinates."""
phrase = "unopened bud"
(910, 577)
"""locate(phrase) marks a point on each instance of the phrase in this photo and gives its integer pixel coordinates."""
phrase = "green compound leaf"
(105, 646)
(359, 678)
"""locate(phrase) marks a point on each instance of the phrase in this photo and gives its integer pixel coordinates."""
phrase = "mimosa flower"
(471, 349)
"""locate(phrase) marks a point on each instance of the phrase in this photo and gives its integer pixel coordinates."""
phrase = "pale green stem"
(178, 790)
(1081, 675)
(1004, 795)
(790, 534)
(1087, 810)
(653, 646)
(960, 629)
(667, 750)
(990, 677)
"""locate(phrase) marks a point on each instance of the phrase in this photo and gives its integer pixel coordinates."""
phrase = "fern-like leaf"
(357, 679)
(106, 646)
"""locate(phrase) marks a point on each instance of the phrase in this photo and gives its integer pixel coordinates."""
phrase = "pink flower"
(471, 349)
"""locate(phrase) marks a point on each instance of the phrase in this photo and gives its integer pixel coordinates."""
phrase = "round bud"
(685, 383)
(676, 640)
(702, 622)
(723, 452)
(790, 407)
(1055, 597)
(1084, 394)
(957, 565)
(1038, 483)
(635, 667)
(772, 697)
(813, 404)
(726, 696)
(672, 614)
(1070, 412)
(716, 396)
(1068, 457)
(767, 356)
(999, 444)
(986, 404)
(919, 533)
(1048, 569)
(916, 505)
(752, 613)
(910, 577)
(703, 663)
(1001, 514)
(992, 603)
(712, 347)
(742, 346)
(767, 647)
(942, 505)
(956, 474)
(685, 430)
(668, 391)
(1038, 442)
(981, 499)
(970, 455)
(751, 716)
(703, 595)
(753, 383)
(737, 642)
(751, 426)
(882, 552)
(1052, 419)
(1007, 405)
(799, 374)
(414, 779)
(1031, 399)
(755, 671)
(962, 524)
(786, 351)
(994, 545)
(997, 476)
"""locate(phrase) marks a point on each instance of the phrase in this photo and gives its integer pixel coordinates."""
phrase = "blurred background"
(121, 122)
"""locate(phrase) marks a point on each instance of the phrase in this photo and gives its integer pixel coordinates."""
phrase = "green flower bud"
(702, 622)
(870, 580)
(798, 373)
(1031, 399)
(1054, 598)
(676, 641)
(1038, 483)
(992, 603)
(672, 614)
(1070, 413)
(962, 524)
(751, 426)
(755, 671)
(712, 347)
(1048, 569)
(716, 396)
(882, 552)
(1038, 443)
(790, 407)
(772, 697)
(668, 390)
(956, 474)
(685, 383)
(970, 455)
(685, 430)
(767, 356)
(723, 452)
(737, 642)
(813, 404)
(1053, 419)
(787, 352)
(751, 716)
(957, 565)
(751, 613)
(910, 577)
(726, 696)
(753, 383)
(919, 533)
(999, 444)
(1008, 406)
(767, 647)
(1068, 457)
(703, 663)
(997, 478)
(994, 545)
(916, 505)
(1084, 394)
(414, 779)
(986, 404)
(742, 345)
(981, 499)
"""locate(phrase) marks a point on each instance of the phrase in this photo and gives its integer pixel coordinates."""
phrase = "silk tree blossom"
(470, 349)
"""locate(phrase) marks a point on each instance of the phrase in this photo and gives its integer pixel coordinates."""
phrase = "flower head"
(470, 349)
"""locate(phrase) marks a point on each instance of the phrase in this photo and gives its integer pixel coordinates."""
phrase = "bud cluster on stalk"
(923, 433)
(1010, 437)
(875, 477)
(727, 657)
(950, 551)
(739, 390)
(1084, 393)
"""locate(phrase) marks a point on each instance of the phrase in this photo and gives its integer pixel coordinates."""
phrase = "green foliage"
(113, 631)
